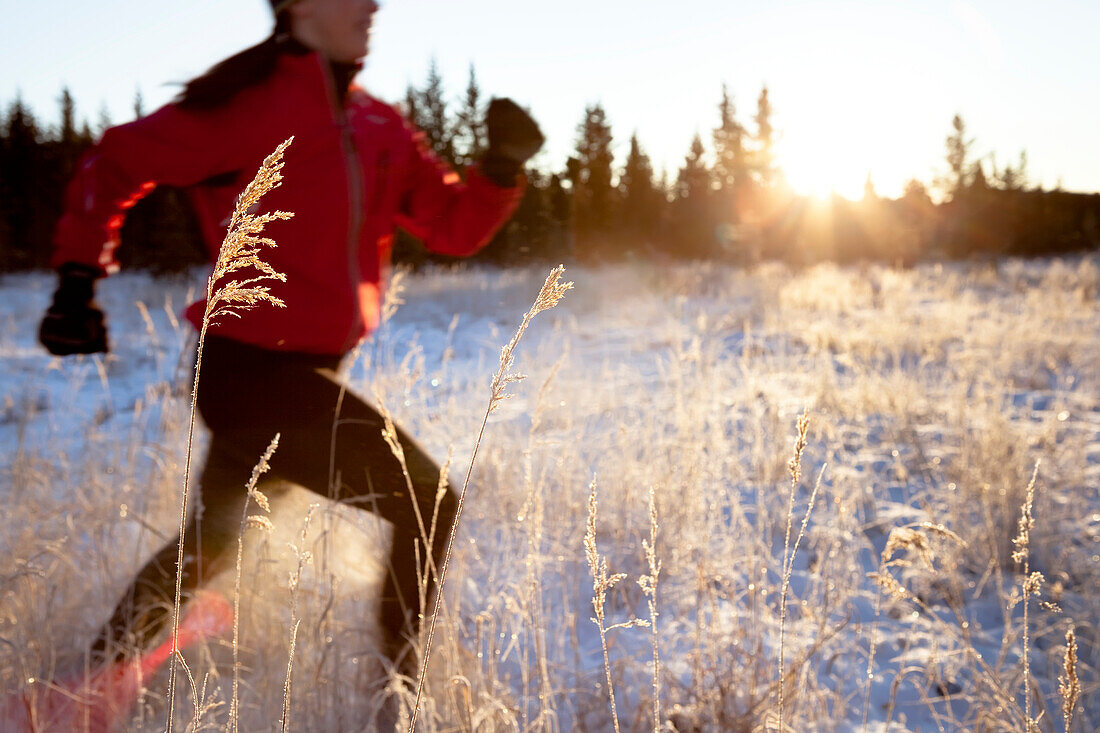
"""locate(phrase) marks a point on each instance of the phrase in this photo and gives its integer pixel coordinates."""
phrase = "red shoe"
(103, 700)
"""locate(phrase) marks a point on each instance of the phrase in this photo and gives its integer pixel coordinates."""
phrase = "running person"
(356, 171)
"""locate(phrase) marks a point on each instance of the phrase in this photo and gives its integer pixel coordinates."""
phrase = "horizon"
(1017, 80)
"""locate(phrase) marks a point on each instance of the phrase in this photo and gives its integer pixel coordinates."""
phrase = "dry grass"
(1069, 686)
(933, 392)
(260, 522)
(227, 296)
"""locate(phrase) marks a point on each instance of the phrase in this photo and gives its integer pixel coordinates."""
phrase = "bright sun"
(820, 174)
(828, 159)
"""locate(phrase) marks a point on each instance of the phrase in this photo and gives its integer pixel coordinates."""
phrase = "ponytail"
(240, 71)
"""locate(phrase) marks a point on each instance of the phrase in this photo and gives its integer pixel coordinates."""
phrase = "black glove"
(513, 138)
(73, 324)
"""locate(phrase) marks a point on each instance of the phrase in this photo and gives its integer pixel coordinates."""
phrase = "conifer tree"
(664, 188)
(978, 180)
(72, 141)
(869, 192)
(693, 180)
(638, 195)
(411, 105)
(469, 127)
(916, 191)
(560, 205)
(692, 222)
(965, 185)
(958, 154)
(104, 122)
(764, 153)
(592, 195)
(60, 156)
(434, 120)
(22, 180)
(68, 118)
(1013, 178)
(731, 169)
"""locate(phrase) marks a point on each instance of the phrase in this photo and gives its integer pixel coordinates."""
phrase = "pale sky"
(857, 86)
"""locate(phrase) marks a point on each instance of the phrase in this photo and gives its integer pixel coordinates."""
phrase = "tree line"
(727, 201)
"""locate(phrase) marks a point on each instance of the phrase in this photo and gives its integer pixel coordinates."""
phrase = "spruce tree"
(411, 107)
(23, 184)
(692, 222)
(469, 127)
(638, 194)
(1013, 178)
(593, 197)
(916, 192)
(978, 181)
(60, 154)
(435, 124)
(560, 214)
(963, 217)
(869, 193)
(68, 118)
(693, 180)
(764, 153)
(104, 122)
(71, 142)
(731, 168)
(958, 154)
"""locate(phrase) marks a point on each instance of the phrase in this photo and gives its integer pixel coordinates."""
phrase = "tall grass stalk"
(533, 514)
(239, 250)
(260, 522)
(601, 583)
(552, 291)
(390, 303)
(794, 466)
(303, 556)
(201, 707)
(916, 541)
(1031, 585)
(391, 300)
(389, 434)
(648, 584)
(425, 566)
(1069, 686)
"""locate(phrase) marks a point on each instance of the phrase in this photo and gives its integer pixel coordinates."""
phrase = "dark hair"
(240, 71)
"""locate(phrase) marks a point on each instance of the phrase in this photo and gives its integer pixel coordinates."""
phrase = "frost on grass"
(241, 247)
(933, 389)
(552, 291)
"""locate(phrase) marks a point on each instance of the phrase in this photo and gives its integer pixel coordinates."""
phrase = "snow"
(931, 394)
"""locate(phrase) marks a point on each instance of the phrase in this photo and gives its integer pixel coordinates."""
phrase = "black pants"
(246, 395)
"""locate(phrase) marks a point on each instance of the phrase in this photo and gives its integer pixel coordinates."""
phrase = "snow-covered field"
(932, 394)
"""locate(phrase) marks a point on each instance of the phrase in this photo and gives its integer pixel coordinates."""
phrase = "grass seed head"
(552, 291)
(258, 521)
(261, 499)
(794, 465)
(1069, 686)
(1026, 523)
(241, 248)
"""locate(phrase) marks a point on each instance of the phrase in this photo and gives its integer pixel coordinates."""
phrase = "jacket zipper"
(355, 225)
(355, 199)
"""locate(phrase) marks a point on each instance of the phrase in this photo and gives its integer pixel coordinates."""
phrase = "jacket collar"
(339, 73)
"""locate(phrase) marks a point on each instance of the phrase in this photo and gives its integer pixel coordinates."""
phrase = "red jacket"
(352, 174)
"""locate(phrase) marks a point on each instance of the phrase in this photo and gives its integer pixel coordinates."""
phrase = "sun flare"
(821, 175)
